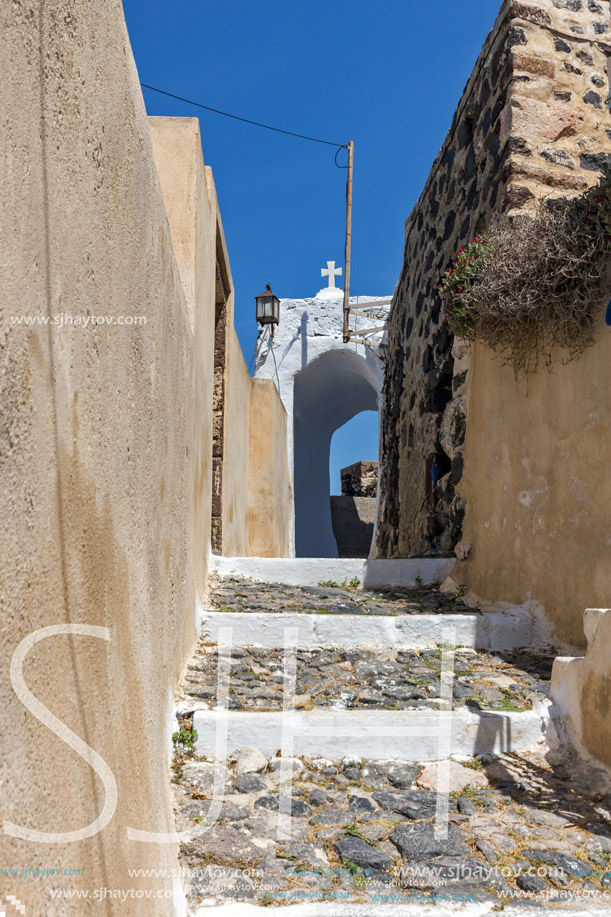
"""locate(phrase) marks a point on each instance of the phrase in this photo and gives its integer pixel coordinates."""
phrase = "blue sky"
(387, 75)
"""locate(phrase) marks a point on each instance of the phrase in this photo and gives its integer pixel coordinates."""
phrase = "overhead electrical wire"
(226, 114)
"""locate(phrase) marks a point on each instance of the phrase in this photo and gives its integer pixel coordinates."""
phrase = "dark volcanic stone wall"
(531, 122)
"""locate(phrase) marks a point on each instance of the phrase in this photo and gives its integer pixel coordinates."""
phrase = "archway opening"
(328, 393)
(356, 441)
(353, 470)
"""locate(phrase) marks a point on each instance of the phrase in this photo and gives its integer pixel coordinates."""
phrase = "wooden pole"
(348, 242)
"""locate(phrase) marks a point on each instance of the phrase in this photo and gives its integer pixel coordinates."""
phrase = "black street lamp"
(268, 308)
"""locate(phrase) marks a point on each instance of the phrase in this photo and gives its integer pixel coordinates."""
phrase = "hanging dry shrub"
(531, 284)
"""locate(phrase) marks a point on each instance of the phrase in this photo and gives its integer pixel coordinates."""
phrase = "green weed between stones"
(353, 583)
(183, 742)
(185, 739)
(474, 763)
(354, 831)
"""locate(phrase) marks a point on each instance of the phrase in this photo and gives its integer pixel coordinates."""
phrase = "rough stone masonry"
(532, 123)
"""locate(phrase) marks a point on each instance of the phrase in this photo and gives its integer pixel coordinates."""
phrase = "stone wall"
(360, 479)
(531, 123)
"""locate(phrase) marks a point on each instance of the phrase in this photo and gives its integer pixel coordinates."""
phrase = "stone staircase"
(347, 750)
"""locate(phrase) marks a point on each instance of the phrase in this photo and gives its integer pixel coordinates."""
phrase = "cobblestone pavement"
(372, 679)
(364, 831)
(233, 594)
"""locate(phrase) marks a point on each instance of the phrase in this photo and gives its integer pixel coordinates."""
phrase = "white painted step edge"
(333, 909)
(394, 735)
(310, 571)
(485, 631)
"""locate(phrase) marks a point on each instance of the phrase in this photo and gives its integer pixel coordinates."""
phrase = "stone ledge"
(552, 177)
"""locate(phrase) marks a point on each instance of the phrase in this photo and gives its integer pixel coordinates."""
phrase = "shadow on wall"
(328, 393)
(353, 522)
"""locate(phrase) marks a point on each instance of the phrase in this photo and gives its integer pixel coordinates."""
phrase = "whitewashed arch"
(323, 383)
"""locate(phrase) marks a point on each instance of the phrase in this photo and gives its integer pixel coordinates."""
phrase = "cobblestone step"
(232, 594)
(332, 615)
(369, 678)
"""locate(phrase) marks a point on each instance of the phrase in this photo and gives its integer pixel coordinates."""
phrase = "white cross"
(332, 272)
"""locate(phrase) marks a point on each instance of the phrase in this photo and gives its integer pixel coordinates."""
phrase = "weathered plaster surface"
(104, 440)
(236, 450)
(581, 690)
(537, 495)
(269, 479)
(191, 207)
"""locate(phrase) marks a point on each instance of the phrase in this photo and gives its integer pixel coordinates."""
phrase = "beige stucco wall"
(192, 210)
(537, 486)
(104, 443)
(581, 691)
(236, 450)
(269, 480)
(255, 489)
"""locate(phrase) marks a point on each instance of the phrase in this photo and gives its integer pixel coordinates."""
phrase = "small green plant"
(360, 880)
(285, 855)
(474, 763)
(183, 742)
(418, 580)
(467, 791)
(351, 867)
(186, 738)
(353, 831)
(511, 703)
(353, 583)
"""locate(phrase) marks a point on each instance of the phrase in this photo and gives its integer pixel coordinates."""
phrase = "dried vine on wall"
(530, 285)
